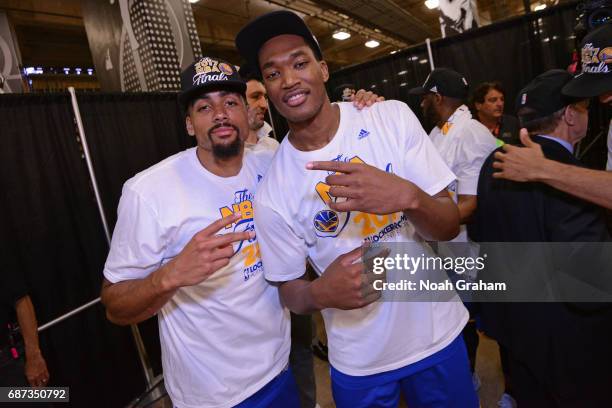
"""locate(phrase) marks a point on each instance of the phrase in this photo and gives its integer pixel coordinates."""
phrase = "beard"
(430, 117)
(225, 151)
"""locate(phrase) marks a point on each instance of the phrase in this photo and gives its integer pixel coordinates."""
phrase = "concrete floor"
(487, 366)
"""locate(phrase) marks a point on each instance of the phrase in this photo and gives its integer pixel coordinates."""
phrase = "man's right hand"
(204, 254)
(345, 283)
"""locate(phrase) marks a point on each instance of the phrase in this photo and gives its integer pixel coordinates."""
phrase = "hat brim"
(229, 85)
(419, 90)
(588, 85)
(255, 34)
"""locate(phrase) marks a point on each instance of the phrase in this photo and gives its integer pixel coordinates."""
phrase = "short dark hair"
(481, 91)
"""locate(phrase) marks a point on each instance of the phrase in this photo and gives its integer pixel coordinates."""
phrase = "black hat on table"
(543, 96)
(445, 82)
(256, 33)
(596, 56)
(209, 74)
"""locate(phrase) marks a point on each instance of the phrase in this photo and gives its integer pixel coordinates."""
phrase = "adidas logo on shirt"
(363, 133)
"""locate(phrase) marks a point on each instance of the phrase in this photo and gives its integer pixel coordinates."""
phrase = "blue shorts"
(280, 392)
(442, 380)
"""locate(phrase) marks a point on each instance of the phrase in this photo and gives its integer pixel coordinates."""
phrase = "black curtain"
(52, 234)
(513, 52)
(126, 134)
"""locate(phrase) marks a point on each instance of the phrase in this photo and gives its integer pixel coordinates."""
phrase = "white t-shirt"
(225, 338)
(464, 144)
(264, 141)
(293, 223)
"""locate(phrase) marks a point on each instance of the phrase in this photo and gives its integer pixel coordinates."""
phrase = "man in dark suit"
(560, 354)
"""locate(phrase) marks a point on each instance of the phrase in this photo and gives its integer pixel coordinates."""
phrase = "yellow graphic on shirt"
(249, 249)
(372, 227)
(446, 128)
(244, 207)
(252, 254)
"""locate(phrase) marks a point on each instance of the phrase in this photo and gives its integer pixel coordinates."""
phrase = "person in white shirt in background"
(257, 104)
(464, 143)
(397, 183)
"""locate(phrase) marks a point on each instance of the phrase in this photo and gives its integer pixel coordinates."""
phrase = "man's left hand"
(366, 188)
(363, 98)
(36, 370)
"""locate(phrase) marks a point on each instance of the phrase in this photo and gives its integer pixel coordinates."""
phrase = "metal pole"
(67, 315)
(142, 352)
(92, 174)
(431, 61)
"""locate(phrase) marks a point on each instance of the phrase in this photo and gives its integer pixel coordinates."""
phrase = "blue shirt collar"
(562, 142)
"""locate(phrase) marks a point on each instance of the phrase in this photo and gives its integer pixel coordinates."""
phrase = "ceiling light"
(414, 58)
(432, 4)
(193, 1)
(402, 72)
(393, 52)
(372, 44)
(540, 7)
(341, 35)
(423, 61)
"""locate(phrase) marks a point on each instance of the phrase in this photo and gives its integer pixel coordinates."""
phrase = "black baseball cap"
(444, 81)
(209, 74)
(596, 55)
(543, 95)
(256, 33)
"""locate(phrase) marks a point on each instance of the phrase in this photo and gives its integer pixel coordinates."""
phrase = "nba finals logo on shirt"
(243, 203)
(208, 69)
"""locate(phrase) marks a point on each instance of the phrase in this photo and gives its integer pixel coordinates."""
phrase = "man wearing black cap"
(529, 164)
(559, 354)
(376, 349)
(184, 248)
(464, 144)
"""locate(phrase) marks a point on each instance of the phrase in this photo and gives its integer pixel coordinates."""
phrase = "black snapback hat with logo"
(445, 82)
(542, 97)
(209, 74)
(256, 33)
(596, 57)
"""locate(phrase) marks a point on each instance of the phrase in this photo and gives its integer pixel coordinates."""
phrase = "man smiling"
(224, 334)
(376, 349)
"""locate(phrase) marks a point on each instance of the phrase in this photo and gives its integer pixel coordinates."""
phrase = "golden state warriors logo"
(329, 223)
(326, 221)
